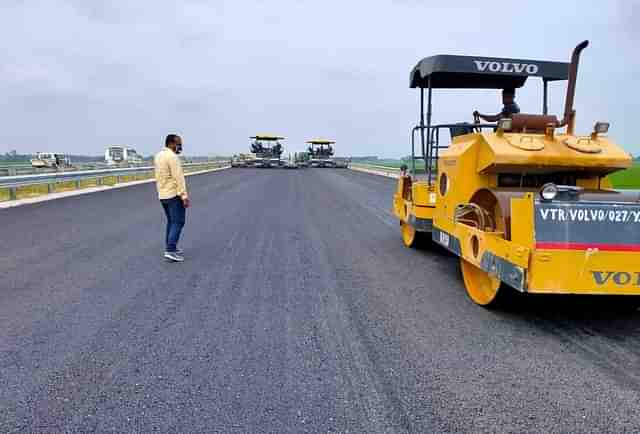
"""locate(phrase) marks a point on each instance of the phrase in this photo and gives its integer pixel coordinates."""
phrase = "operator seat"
(460, 129)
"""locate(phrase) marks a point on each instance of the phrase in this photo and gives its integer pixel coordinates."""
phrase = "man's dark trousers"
(175, 212)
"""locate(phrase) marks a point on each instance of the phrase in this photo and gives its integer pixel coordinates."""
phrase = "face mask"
(178, 148)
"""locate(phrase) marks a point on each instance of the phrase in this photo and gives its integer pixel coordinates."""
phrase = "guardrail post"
(12, 193)
(77, 184)
(51, 187)
(98, 181)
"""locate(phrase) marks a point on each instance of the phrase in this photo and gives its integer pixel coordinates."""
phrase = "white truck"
(50, 160)
(117, 154)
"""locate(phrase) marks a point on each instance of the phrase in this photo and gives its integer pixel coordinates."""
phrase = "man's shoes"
(179, 251)
(174, 256)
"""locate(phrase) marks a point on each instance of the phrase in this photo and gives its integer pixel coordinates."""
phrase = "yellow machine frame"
(486, 205)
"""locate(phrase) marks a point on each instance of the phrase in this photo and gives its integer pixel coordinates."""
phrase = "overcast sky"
(79, 75)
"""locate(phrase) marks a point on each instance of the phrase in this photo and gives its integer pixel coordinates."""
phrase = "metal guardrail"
(389, 172)
(28, 169)
(377, 166)
(12, 183)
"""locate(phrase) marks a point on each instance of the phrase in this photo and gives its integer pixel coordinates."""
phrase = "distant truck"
(302, 159)
(243, 160)
(121, 155)
(342, 162)
(50, 160)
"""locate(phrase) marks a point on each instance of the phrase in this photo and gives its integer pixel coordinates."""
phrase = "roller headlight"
(549, 191)
(601, 127)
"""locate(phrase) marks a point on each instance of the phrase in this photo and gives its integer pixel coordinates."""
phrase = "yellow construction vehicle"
(321, 153)
(267, 149)
(524, 205)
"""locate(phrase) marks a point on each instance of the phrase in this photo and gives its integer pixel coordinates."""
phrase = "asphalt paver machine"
(321, 153)
(267, 150)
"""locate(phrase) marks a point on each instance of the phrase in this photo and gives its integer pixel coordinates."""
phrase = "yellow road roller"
(523, 200)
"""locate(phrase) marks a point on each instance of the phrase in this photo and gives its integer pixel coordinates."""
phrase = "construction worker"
(509, 107)
(172, 192)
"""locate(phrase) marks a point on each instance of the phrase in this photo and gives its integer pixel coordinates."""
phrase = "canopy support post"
(413, 150)
(545, 96)
(429, 144)
(421, 127)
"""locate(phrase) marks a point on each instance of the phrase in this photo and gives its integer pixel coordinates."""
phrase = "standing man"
(172, 191)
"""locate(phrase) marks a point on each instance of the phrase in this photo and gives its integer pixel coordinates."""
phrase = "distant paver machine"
(525, 206)
(267, 150)
(321, 154)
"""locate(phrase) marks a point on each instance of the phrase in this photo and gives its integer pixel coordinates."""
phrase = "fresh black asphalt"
(297, 310)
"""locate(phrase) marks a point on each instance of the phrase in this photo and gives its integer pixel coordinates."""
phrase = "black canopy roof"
(471, 72)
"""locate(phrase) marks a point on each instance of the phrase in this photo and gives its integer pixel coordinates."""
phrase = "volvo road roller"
(524, 202)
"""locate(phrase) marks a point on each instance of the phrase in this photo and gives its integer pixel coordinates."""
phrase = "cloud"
(78, 76)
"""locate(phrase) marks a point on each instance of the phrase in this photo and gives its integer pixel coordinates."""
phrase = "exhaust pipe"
(569, 112)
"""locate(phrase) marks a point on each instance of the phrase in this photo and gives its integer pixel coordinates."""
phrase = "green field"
(4, 163)
(626, 179)
(629, 178)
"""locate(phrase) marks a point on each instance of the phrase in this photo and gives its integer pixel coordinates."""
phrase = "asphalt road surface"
(297, 310)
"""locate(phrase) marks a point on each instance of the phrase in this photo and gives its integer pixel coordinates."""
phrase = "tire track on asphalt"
(359, 301)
